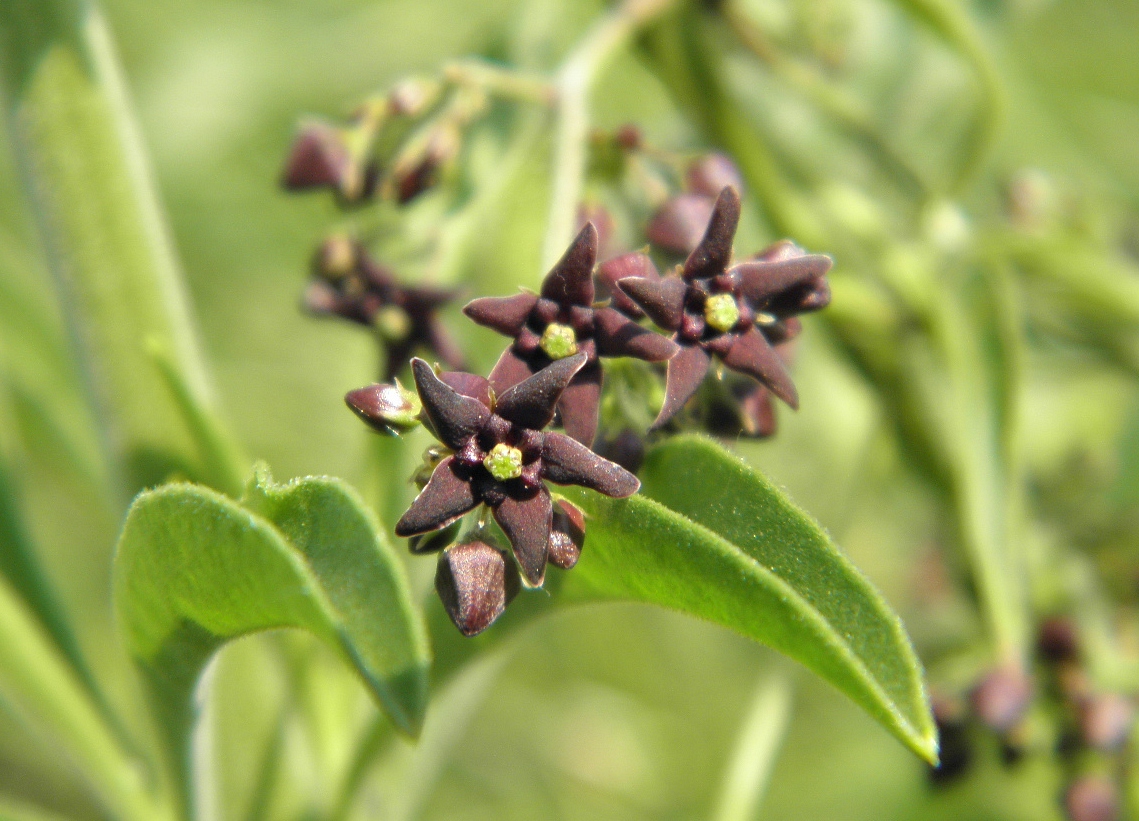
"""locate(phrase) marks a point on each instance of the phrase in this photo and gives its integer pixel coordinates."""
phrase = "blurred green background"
(607, 712)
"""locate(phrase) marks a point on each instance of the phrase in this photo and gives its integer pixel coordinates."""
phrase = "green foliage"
(714, 539)
(195, 570)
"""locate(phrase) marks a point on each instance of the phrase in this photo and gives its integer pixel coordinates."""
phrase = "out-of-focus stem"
(574, 82)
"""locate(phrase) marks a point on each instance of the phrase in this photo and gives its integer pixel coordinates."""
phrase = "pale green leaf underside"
(195, 569)
(716, 540)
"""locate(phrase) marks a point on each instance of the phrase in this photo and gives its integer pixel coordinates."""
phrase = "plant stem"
(574, 80)
(501, 82)
(98, 213)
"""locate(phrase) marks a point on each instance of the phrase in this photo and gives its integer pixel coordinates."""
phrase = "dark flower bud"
(418, 168)
(390, 409)
(322, 156)
(1001, 698)
(567, 534)
(711, 174)
(1105, 721)
(434, 541)
(1057, 640)
(956, 751)
(678, 225)
(1092, 798)
(629, 137)
(475, 582)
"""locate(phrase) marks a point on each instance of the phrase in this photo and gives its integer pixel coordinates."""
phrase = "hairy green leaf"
(716, 540)
(195, 569)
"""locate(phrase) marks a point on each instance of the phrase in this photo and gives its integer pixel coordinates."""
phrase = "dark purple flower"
(715, 308)
(501, 457)
(612, 271)
(560, 322)
(349, 284)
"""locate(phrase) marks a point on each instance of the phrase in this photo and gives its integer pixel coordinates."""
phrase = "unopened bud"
(679, 224)
(1002, 697)
(711, 174)
(1092, 798)
(567, 534)
(390, 409)
(629, 137)
(1105, 721)
(475, 582)
(1057, 640)
(318, 157)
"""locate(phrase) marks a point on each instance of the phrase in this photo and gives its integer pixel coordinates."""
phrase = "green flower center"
(721, 312)
(504, 462)
(393, 323)
(558, 341)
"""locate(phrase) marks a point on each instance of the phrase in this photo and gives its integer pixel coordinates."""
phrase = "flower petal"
(530, 403)
(453, 417)
(617, 335)
(580, 404)
(570, 281)
(686, 371)
(398, 353)
(753, 355)
(568, 462)
(505, 314)
(757, 410)
(760, 282)
(509, 371)
(526, 523)
(714, 252)
(436, 337)
(661, 299)
(567, 534)
(468, 384)
(445, 498)
(618, 268)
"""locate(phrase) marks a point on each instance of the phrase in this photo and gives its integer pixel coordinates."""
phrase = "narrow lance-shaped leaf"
(195, 569)
(80, 153)
(717, 540)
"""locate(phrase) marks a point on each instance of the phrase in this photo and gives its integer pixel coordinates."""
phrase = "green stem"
(574, 81)
(98, 213)
(951, 22)
(48, 695)
(501, 82)
(754, 757)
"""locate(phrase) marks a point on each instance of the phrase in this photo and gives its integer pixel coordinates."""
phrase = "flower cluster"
(734, 319)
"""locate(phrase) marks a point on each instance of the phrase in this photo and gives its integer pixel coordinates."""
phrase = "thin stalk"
(46, 692)
(574, 82)
(501, 82)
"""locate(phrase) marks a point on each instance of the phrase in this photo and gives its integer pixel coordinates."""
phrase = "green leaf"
(97, 210)
(717, 540)
(195, 569)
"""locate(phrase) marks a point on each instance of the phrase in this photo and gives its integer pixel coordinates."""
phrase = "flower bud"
(567, 534)
(323, 156)
(1002, 697)
(1105, 721)
(1092, 798)
(627, 449)
(678, 225)
(475, 582)
(390, 409)
(711, 174)
(1057, 640)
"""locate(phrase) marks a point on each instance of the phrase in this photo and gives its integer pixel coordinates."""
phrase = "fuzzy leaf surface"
(712, 538)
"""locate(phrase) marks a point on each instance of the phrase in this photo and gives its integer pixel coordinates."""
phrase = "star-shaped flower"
(560, 322)
(501, 457)
(715, 308)
(349, 284)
